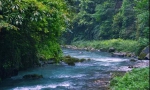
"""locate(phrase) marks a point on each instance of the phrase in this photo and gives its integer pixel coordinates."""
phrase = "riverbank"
(121, 71)
(105, 45)
(118, 47)
(111, 50)
(133, 57)
(91, 74)
(137, 79)
(121, 47)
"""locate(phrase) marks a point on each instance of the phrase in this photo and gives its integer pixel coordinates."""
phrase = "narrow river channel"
(82, 76)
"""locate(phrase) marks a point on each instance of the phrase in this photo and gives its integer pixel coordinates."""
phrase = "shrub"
(137, 79)
(118, 44)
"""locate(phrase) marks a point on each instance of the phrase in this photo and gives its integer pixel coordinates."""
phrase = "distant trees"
(142, 22)
(29, 30)
(107, 19)
(142, 18)
(124, 21)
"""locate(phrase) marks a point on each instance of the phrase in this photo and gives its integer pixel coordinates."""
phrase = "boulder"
(71, 60)
(118, 54)
(111, 49)
(133, 60)
(103, 49)
(130, 66)
(147, 57)
(71, 63)
(130, 55)
(144, 54)
(51, 61)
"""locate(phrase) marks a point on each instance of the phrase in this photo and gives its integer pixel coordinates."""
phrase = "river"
(82, 76)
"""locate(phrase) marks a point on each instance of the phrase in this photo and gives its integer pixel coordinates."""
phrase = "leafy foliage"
(118, 44)
(142, 10)
(110, 19)
(124, 21)
(136, 79)
(29, 30)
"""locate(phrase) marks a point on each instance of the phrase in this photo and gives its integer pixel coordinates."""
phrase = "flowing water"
(82, 76)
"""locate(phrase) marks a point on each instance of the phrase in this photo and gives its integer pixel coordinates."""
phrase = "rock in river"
(71, 60)
(144, 54)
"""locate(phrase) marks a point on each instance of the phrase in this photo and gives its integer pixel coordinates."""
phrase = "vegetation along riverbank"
(137, 79)
(32, 31)
(128, 48)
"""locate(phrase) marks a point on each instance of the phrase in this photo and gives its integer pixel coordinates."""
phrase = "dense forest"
(31, 30)
(108, 19)
(122, 24)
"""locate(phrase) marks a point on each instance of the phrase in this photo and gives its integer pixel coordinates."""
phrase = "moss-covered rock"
(118, 54)
(71, 60)
(103, 49)
(133, 60)
(111, 49)
(147, 56)
(144, 54)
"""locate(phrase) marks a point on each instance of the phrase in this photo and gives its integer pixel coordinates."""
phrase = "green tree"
(29, 30)
(142, 12)
(124, 21)
(107, 19)
(142, 23)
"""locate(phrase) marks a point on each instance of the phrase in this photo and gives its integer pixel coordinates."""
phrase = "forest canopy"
(110, 19)
(29, 31)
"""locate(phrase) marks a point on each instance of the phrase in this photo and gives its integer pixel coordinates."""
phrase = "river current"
(82, 76)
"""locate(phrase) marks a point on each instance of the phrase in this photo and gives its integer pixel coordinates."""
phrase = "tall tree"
(142, 12)
(29, 30)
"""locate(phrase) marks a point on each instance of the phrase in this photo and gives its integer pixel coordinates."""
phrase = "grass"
(137, 79)
(118, 44)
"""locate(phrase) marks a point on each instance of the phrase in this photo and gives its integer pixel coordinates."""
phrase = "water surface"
(82, 76)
